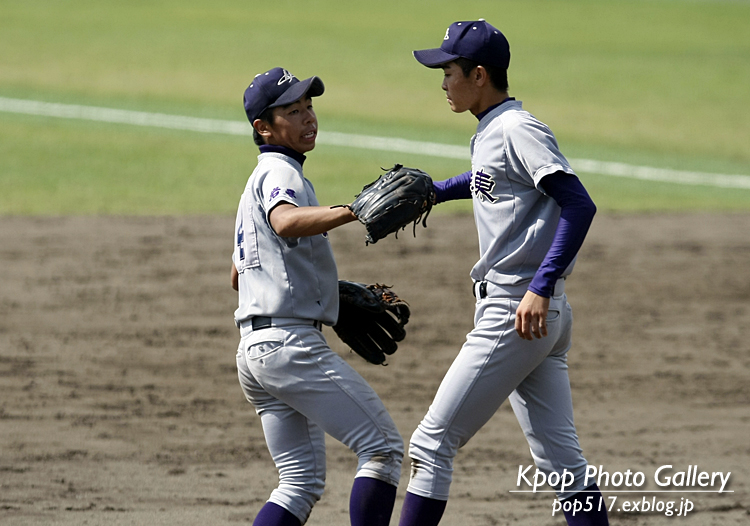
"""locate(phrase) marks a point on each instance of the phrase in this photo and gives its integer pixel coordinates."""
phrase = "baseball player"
(284, 270)
(532, 214)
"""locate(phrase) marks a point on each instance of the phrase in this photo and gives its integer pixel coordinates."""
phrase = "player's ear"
(480, 76)
(263, 128)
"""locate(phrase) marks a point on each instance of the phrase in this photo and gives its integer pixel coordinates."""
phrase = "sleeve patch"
(284, 192)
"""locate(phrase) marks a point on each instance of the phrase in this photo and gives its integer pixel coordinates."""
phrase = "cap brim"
(433, 58)
(313, 87)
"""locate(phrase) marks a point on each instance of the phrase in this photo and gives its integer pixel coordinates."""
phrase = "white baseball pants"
(494, 364)
(302, 389)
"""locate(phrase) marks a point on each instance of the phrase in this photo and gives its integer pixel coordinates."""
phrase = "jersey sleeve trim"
(550, 169)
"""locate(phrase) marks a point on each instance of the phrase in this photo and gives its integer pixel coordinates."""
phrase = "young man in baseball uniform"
(284, 270)
(532, 215)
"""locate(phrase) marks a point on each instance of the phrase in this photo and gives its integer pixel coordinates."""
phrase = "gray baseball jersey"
(516, 221)
(300, 388)
(281, 277)
(511, 152)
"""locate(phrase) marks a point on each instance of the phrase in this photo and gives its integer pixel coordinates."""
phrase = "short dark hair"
(266, 116)
(498, 76)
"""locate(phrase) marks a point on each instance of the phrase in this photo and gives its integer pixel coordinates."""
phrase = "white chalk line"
(370, 142)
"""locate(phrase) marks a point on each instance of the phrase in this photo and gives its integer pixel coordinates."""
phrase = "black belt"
(482, 286)
(479, 288)
(265, 322)
(262, 322)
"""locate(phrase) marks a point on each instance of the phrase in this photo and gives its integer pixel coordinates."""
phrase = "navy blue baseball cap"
(477, 41)
(278, 87)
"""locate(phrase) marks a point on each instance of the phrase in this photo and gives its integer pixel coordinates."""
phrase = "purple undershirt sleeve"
(457, 187)
(577, 212)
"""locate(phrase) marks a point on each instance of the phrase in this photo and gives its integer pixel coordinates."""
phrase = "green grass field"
(655, 83)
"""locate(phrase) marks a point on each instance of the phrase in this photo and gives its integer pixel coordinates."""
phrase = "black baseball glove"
(400, 196)
(371, 319)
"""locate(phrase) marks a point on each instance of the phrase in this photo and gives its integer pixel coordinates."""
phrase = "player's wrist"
(345, 212)
(543, 292)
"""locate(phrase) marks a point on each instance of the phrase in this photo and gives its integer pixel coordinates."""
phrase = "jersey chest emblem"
(482, 186)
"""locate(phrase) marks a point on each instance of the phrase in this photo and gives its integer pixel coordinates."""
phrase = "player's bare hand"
(531, 316)
(235, 278)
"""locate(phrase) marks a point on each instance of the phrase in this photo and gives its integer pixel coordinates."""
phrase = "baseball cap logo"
(285, 77)
(447, 34)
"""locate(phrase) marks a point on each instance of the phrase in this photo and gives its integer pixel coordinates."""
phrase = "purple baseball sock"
(371, 502)
(593, 517)
(274, 515)
(421, 511)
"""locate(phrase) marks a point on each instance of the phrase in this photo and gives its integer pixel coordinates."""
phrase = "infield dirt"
(120, 405)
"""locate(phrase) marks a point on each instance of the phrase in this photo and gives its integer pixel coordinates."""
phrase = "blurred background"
(661, 84)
